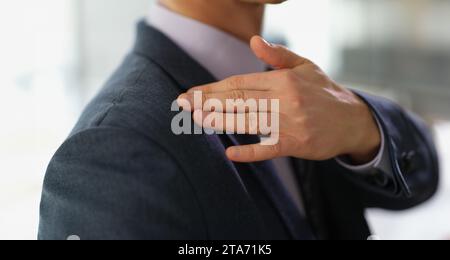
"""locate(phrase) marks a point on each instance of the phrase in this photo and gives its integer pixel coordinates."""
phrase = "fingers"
(254, 153)
(276, 56)
(235, 92)
(253, 123)
(256, 81)
(230, 101)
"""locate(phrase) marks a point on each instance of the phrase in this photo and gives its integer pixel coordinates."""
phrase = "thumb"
(277, 56)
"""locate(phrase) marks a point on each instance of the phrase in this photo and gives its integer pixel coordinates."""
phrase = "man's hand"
(319, 119)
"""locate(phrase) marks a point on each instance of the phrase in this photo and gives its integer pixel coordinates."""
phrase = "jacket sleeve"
(110, 183)
(414, 176)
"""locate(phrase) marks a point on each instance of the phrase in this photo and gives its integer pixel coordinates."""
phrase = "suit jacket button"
(381, 178)
(406, 161)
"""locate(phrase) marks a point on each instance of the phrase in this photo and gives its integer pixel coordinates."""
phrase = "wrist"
(366, 139)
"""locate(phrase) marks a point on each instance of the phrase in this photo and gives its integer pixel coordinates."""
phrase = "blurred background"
(55, 55)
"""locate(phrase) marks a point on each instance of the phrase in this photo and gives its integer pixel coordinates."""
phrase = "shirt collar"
(220, 53)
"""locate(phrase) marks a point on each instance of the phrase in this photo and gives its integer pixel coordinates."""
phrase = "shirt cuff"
(381, 162)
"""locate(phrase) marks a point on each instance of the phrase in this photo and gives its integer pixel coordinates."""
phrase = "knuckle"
(297, 102)
(235, 82)
(206, 89)
(251, 153)
(276, 149)
(206, 98)
(290, 76)
(297, 120)
(308, 140)
(238, 94)
(307, 126)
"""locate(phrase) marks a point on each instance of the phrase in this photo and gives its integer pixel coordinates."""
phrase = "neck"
(242, 20)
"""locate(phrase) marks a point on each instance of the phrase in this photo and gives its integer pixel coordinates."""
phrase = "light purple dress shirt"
(223, 56)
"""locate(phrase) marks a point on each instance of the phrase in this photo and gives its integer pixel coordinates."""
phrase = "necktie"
(266, 176)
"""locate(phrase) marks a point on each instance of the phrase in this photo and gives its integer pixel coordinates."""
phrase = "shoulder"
(138, 96)
(123, 121)
(113, 173)
(111, 183)
(109, 150)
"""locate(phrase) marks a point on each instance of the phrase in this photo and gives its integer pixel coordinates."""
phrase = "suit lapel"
(228, 211)
(184, 70)
(269, 180)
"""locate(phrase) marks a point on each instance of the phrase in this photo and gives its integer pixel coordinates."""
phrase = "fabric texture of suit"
(123, 174)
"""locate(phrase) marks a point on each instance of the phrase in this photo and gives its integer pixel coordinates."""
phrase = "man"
(124, 174)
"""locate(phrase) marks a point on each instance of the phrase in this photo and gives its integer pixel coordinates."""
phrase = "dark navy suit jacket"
(123, 174)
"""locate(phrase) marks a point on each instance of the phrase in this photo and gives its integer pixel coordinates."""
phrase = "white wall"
(37, 62)
(106, 29)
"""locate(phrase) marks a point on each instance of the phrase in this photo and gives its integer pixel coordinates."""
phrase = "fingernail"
(233, 153)
(266, 42)
(189, 97)
(185, 101)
